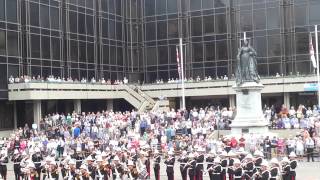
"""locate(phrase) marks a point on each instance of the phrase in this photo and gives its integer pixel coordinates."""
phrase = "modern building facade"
(137, 39)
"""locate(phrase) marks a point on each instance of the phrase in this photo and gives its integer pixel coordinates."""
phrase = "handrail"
(147, 96)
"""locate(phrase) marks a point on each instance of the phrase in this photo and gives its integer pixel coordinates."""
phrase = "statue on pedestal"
(246, 65)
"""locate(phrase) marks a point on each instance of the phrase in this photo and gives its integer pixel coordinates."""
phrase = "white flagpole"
(182, 75)
(317, 56)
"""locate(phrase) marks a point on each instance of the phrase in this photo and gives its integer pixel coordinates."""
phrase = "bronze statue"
(246, 65)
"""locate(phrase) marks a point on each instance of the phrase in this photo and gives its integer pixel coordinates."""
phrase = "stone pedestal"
(249, 117)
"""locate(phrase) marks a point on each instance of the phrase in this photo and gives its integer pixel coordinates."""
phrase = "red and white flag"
(311, 52)
(178, 62)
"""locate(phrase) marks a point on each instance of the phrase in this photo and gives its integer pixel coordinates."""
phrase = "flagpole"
(317, 57)
(182, 75)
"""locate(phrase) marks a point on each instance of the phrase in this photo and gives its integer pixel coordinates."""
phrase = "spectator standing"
(309, 142)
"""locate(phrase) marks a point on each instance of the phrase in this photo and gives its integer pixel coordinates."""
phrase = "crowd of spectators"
(176, 129)
(52, 79)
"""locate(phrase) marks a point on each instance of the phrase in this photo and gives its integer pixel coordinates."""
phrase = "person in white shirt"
(310, 147)
(11, 80)
(299, 148)
(309, 112)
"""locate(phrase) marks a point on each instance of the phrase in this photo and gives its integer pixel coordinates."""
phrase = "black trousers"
(17, 174)
(170, 175)
(211, 176)
(310, 154)
(184, 174)
(156, 173)
(192, 177)
(199, 175)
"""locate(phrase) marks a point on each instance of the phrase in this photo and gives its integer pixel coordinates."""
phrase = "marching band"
(118, 164)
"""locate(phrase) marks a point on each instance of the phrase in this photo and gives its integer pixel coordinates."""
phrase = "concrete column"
(232, 100)
(180, 103)
(77, 105)
(37, 112)
(15, 117)
(109, 104)
(286, 99)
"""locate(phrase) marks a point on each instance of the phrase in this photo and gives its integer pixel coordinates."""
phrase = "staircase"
(137, 98)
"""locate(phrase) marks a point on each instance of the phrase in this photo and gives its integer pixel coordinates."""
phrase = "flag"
(311, 52)
(178, 62)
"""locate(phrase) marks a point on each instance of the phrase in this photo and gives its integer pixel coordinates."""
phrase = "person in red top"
(242, 142)
(233, 142)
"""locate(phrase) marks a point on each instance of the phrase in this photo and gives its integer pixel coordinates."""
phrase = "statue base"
(249, 117)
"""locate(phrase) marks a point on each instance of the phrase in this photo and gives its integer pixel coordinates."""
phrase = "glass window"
(246, 21)
(74, 50)
(259, 19)
(150, 31)
(220, 23)
(151, 56)
(82, 3)
(44, 16)
(55, 44)
(195, 5)
(81, 23)
(163, 54)
(208, 22)
(302, 41)
(2, 10)
(275, 68)
(111, 6)
(172, 6)
(197, 52)
(13, 70)
(12, 43)
(112, 33)
(73, 21)
(56, 72)
(54, 16)
(82, 51)
(196, 26)
(273, 18)
(12, 10)
(119, 31)
(90, 51)
(274, 48)
(104, 28)
(104, 5)
(261, 46)
(113, 58)
(118, 7)
(314, 13)
(89, 23)
(173, 54)
(119, 56)
(303, 67)
(210, 51)
(207, 4)
(45, 47)
(161, 6)
(173, 28)
(149, 7)
(89, 4)
(219, 3)
(162, 30)
(34, 14)
(2, 42)
(300, 14)
(35, 46)
(222, 54)
(105, 55)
